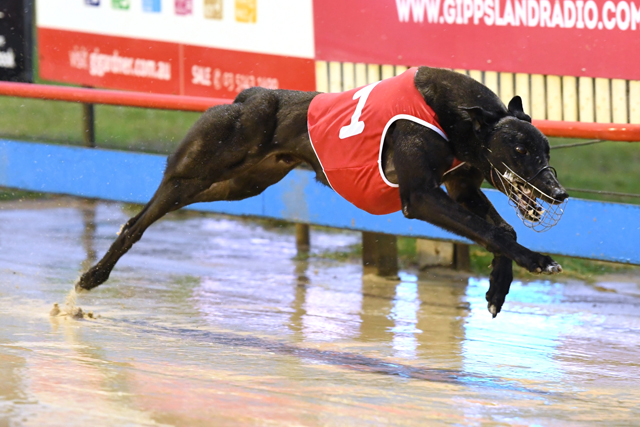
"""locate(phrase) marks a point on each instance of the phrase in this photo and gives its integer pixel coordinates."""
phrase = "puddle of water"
(211, 321)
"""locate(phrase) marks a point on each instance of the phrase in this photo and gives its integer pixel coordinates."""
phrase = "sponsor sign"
(194, 47)
(594, 38)
(15, 40)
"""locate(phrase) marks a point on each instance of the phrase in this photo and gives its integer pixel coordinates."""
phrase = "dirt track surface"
(212, 321)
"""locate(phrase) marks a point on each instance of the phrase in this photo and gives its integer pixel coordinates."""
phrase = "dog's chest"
(347, 131)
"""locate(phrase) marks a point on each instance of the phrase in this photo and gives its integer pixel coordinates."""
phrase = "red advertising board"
(595, 38)
(162, 67)
(106, 61)
(223, 73)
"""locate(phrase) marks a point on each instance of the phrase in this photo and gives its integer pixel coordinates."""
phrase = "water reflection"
(88, 211)
(298, 310)
(12, 386)
(441, 318)
(96, 381)
(404, 313)
(514, 346)
(214, 322)
(331, 314)
(376, 323)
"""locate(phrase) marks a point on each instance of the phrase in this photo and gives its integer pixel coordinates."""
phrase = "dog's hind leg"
(171, 195)
(226, 144)
(176, 193)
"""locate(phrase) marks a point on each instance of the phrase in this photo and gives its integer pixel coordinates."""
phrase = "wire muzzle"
(537, 210)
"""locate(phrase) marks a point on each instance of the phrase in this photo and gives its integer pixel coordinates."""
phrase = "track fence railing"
(608, 131)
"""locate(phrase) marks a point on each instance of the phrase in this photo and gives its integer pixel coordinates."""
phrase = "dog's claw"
(493, 310)
(553, 269)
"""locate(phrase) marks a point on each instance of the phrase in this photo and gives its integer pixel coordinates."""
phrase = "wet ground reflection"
(213, 321)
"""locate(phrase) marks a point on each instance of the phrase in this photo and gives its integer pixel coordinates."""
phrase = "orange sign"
(247, 11)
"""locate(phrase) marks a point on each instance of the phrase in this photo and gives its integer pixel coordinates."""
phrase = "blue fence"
(594, 230)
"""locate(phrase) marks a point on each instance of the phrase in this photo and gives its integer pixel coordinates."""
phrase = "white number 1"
(356, 126)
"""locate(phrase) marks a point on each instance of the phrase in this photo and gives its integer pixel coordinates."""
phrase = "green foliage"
(7, 194)
(407, 252)
(125, 128)
(481, 262)
(36, 120)
(582, 269)
(141, 129)
(610, 166)
(352, 253)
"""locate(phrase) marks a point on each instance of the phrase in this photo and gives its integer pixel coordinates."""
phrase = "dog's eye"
(520, 149)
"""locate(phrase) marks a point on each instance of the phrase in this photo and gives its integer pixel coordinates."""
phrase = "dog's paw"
(81, 286)
(540, 264)
(91, 279)
(499, 284)
(543, 264)
(553, 269)
(495, 301)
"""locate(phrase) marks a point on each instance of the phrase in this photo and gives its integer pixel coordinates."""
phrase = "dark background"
(16, 29)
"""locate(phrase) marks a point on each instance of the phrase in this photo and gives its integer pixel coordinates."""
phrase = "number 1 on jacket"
(356, 127)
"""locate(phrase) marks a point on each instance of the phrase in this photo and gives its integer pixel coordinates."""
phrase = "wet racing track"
(212, 321)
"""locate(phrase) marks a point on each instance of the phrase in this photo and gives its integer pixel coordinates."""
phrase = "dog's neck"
(446, 92)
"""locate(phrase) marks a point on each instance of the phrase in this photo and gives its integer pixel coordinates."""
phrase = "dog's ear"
(515, 108)
(482, 120)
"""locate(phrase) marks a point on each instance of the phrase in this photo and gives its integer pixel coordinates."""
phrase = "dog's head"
(514, 158)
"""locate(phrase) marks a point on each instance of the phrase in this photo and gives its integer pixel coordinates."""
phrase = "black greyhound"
(236, 151)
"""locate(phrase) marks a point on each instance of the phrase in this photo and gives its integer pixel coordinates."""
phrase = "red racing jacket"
(347, 131)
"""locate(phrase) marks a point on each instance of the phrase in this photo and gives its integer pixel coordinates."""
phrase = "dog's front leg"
(435, 207)
(501, 266)
(420, 160)
(463, 186)
(499, 283)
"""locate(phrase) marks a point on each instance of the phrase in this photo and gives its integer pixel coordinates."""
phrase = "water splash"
(70, 308)
(70, 301)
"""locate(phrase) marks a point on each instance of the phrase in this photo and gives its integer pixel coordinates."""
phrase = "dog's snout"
(547, 182)
(559, 194)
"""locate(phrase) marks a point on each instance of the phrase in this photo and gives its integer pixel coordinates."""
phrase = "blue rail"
(588, 229)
